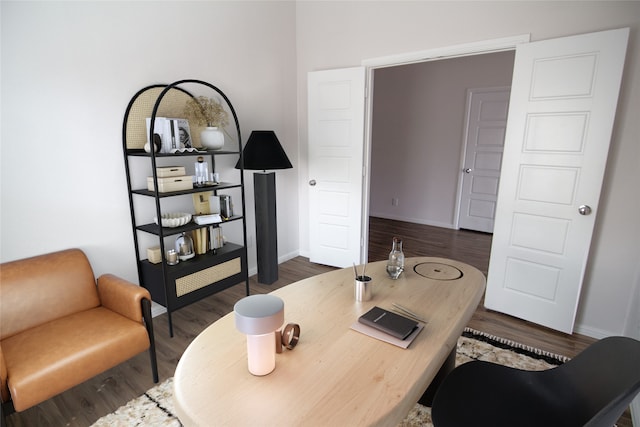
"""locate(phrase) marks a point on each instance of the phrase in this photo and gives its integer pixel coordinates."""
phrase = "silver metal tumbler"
(363, 288)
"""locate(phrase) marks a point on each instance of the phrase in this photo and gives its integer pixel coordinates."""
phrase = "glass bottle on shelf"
(395, 264)
(202, 172)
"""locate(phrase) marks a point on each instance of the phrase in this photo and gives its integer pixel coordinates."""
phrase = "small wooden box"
(172, 183)
(167, 171)
(154, 255)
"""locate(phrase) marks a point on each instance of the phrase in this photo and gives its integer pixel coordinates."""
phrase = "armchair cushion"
(57, 355)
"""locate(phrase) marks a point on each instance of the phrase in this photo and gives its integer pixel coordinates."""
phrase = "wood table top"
(335, 375)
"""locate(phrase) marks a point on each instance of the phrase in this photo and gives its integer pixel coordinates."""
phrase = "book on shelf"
(174, 133)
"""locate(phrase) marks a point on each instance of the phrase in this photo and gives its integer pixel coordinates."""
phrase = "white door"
(486, 122)
(563, 102)
(336, 167)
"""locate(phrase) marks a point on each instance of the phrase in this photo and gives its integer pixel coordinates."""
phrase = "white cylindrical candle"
(261, 353)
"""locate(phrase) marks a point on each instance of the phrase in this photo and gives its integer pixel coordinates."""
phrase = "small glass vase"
(202, 172)
(395, 264)
(184, 247)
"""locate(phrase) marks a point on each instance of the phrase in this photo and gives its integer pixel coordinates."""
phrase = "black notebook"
(388, 322)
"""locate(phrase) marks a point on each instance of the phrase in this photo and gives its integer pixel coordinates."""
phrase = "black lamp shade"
(263, 151)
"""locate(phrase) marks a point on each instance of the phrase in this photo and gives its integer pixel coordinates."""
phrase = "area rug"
(155, 407)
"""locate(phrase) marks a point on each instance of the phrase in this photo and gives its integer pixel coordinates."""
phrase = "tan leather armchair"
(59, 327)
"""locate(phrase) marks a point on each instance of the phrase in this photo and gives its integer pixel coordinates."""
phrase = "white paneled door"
(336, 166)
(486, 121)
(563, 102)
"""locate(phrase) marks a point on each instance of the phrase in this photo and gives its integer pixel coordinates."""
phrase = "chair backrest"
(607, 374)
(36, 290)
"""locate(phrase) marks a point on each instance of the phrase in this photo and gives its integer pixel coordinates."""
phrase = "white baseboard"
(287, 257)
(592, 332)
(157, 309)
(252, 271)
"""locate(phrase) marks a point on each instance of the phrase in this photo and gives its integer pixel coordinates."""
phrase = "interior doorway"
(418, 134)
(548, 141)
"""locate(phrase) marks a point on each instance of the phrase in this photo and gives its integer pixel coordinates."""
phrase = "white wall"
(343, 34)
(68, 71)
(418, 134)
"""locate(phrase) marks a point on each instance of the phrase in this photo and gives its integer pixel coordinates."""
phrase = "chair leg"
(6, 409)
(148, 322)
(445, 369)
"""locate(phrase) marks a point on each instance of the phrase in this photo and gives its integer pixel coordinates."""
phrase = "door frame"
(436, 54)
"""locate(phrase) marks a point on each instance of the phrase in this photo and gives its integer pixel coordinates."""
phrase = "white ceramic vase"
(212, 138)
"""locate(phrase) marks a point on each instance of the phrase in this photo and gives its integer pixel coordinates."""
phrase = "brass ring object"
(288, 337)
(291, 335)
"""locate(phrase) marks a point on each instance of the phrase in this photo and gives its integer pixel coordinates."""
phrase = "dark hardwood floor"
(84, 404)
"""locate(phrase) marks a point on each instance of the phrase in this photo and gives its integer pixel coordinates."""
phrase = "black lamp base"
(264, 190)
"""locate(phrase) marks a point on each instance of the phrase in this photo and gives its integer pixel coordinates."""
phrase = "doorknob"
(584, 210)
(312, 182)
(467, 170)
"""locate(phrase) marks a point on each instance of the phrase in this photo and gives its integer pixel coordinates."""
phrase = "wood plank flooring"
(84, 404)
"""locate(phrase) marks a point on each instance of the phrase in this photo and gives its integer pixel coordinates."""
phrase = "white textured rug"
(155, 407)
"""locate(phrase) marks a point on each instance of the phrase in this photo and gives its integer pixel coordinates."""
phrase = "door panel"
(336, 140)
(484, 141)
(561, 112)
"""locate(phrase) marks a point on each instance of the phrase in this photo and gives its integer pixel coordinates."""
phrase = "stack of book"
(388, 326)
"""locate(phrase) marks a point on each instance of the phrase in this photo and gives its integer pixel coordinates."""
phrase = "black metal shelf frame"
(163, 269)
(142, 153)
(153, 193)
(156, 229)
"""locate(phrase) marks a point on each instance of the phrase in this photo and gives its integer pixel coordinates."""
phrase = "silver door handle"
(467, 170)
(584, 210)
(312, 182)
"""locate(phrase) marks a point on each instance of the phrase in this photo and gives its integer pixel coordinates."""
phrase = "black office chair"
(593, 389)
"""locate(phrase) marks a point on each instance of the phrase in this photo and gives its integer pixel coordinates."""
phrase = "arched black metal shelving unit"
(175, 286)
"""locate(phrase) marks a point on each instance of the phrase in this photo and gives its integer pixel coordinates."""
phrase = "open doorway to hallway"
(417, 139)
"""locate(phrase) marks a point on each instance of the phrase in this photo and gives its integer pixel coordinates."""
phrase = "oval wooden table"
(335, 375)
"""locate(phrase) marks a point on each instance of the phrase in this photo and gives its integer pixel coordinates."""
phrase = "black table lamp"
(263, 151)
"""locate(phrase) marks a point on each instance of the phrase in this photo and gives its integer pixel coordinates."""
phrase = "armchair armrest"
(122, 296)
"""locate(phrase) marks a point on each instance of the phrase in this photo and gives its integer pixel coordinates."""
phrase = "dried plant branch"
(205, 111)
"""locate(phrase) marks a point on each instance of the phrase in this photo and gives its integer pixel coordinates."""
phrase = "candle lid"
(259, 314)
